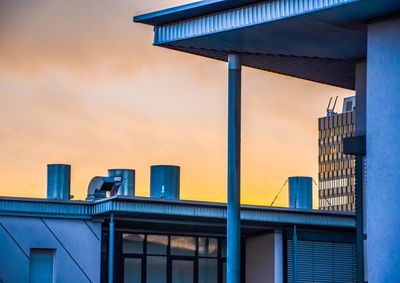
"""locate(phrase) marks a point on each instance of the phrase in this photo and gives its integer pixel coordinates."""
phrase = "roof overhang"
(321, 41)
(162, 211)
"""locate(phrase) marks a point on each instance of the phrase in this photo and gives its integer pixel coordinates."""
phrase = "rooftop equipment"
(331, 111)
(349, 104)
(165, 182)
(59, 181)
(127, 181)
(300, 192)
(119, 182)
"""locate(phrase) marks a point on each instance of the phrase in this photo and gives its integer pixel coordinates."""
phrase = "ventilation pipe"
(300, 192)
(58, 181)
(120, 182)
(165, 182)
(126, 178)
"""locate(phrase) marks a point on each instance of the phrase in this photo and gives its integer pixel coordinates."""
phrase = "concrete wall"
(383, 148)
(264, 259)
(76, 244)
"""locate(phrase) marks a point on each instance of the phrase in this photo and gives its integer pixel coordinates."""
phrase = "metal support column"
(357, 146)
(233, 214)
(295, 254)
(111, 250)
(360, 217)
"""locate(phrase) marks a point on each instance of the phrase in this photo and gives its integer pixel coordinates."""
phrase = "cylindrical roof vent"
(58, 181)
(165, 182)
(300, 192)
(127, 179)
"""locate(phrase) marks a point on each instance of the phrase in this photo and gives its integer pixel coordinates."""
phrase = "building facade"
(167, 241)
(120, 238)
(336, 170)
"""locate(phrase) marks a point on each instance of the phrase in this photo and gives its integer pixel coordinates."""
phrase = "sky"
(80, 83)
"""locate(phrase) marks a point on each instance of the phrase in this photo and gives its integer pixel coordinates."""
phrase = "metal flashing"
(247, 16)
(132, 206)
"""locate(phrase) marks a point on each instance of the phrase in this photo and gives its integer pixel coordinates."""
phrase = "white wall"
(77, 244)
(264, 259)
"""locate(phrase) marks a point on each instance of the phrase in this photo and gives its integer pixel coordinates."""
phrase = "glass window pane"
(157, 244)
(132, 243)
(183, 245)
(156, 269)
(223, 247)
(208, 247)
(132, 270)
(41, 266)
(224, 272)
(208, 270)
(182, 271)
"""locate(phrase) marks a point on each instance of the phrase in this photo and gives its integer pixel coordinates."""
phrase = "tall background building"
(336, 171)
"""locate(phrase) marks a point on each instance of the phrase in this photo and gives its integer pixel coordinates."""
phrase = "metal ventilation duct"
(126, 178)
(119, 182)
(58, 181)
(300, 192)
(165, 182)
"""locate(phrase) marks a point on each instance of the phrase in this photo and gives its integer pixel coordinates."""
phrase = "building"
(117, 237)
(353, 44)
(336, 170)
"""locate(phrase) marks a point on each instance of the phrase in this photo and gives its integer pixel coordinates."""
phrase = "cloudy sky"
(81, 84)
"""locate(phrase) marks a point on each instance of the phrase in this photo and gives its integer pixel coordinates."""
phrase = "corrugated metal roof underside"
(327, 71)
(191, 210)
(315, 40)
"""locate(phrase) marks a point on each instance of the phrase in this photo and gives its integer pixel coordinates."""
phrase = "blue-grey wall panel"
(41, 266)
(81, 243)
(383, 146)
(14, 263)
(38, 233)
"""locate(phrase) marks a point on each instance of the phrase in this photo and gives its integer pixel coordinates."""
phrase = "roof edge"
(190, 10)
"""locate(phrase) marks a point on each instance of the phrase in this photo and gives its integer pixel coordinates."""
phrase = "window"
(132, 270)
(172, 258)
(183, 245)
(41, 266)
(133, 243)
(208, 270)
(157, 244)
(156, 269)
(208, 247)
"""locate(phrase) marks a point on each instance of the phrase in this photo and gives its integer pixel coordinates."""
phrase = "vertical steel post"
(360, 218)
(295, 255)
(360, 130)
(233, 213)
(111, 250)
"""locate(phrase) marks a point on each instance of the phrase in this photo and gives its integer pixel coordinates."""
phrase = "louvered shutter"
(322, 262)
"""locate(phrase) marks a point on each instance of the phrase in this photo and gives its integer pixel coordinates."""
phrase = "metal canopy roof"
(317, 40)
(159, 209)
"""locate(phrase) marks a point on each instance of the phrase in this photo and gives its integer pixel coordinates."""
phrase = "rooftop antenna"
(331, 111)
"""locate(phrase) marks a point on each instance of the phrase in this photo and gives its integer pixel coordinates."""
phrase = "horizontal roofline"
(154, 207)
(187, 11)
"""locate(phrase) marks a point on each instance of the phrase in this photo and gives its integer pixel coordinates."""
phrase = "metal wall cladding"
(323, 262)
(241, 17)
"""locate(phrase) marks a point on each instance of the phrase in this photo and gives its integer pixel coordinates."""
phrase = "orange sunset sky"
(80, 83)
